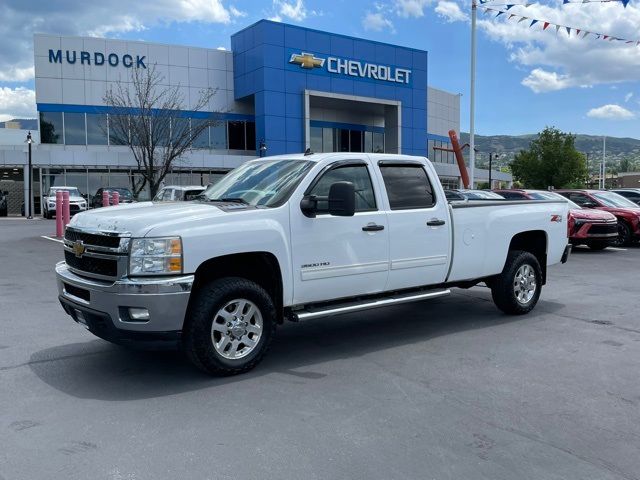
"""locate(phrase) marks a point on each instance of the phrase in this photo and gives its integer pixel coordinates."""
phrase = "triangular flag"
(628, 41)
(546, 24)
(585, 34)
(565, 2)
(557, 28)
(533, 22)
(568, 30)
(578, 31)
(523, 19)
(499, 13)
(625, 3)
(605, 37)
(511, 16)
(510, 6)
(527, 5)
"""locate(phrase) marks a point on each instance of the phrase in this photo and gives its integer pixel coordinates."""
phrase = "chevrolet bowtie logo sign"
(307, 60)
(78, 248)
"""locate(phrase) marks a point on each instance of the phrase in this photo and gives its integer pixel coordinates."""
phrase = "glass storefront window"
(51, 127)
(342, 143)
(251, 135)
(218, 136)
(236, 135)
(77, 178)
(74, 129)
(118, 130)
(378, 142)
(179, 129)
(368, 142)
(96, 129)
(202, 140)
(316, 139)
(327, 140)
(355, 141)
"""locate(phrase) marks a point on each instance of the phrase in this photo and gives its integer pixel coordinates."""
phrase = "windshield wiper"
(229, 199)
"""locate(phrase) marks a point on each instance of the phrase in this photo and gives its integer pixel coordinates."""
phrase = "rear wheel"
(231, 324)
(517, 289)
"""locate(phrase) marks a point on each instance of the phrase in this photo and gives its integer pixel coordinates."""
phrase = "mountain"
(22, 123)
(618, 149)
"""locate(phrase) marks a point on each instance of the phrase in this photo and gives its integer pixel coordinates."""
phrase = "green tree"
(551, 161)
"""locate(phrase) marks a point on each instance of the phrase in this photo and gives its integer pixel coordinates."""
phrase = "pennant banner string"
(546, 24)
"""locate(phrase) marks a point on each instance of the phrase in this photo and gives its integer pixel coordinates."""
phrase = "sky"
(528, 77)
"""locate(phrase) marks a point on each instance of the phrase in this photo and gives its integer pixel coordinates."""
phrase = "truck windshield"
(73, 191)
(266, 183)
(613, 200)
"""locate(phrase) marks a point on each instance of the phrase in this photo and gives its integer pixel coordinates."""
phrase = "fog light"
(139, 314)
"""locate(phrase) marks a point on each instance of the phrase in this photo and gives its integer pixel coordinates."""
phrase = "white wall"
(443, 112)
(192, 69)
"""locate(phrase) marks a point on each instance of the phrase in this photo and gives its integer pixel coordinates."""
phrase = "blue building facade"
(288, 73)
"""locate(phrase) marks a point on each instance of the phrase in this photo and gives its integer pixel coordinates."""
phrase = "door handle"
(435, 222)
(372, 228)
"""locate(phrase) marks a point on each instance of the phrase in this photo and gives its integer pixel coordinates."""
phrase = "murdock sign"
(353, 68)
(97, 58)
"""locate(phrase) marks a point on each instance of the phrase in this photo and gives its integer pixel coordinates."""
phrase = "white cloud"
(292, 10)
(377, 22)
(450, 11)
(411, 8)
(540, 81)
(79, 17)
(18, 102)
(611, 112)
(627, 97)
(560, 61)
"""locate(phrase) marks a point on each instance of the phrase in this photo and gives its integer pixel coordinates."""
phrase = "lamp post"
(490, 163)
(30, 194)
(263, 148)
(472, 97)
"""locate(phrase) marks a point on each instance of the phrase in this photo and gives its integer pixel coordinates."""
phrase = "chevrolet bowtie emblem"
(307, 60)
(78, 248)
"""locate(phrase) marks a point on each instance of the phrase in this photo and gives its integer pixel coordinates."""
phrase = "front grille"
(603, 228)
(74, 208)
(98, 240)
(96, 266)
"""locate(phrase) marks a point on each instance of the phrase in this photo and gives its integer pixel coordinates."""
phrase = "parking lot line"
(617, 249)
(53, 239)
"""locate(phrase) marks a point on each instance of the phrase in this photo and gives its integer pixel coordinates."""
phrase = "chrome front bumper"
(165, 298)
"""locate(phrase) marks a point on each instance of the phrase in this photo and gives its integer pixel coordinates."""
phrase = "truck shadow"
(99, 370)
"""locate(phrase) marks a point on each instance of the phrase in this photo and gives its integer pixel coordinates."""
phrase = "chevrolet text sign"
(97, 58)
(353, 68)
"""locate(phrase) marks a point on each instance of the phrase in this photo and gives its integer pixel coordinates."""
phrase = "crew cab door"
(334, 256)
(419, 230)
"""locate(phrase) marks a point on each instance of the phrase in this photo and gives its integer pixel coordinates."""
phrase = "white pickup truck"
(293, 238)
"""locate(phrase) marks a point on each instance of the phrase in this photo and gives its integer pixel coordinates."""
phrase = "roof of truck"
(316, 157)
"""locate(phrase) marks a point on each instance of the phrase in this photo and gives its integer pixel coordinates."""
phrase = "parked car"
(4, 203)
(125, 196)
(176, 193)
(297, 237)
(521, 194)
(471, 194)
(627, 212)
(77, 203)
(594, 228)
(632, 194)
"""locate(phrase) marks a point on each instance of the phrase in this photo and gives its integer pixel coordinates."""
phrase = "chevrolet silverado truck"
(297, 237)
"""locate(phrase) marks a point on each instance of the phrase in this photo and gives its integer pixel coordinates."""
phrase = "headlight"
(155, 256)
(52, 205)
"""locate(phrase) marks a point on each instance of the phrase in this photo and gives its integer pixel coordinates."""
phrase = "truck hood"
(139, 218)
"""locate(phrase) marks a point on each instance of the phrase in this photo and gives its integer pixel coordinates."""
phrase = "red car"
(627, 212)
(594, 228)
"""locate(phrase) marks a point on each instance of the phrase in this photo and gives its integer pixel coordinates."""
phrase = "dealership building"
(280, 89)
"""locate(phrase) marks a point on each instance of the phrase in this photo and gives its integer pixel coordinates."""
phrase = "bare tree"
(149, 118)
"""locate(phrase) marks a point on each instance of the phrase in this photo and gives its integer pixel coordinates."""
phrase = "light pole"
(603, 167)
(490, 168)
(472, 97)
(30, 194)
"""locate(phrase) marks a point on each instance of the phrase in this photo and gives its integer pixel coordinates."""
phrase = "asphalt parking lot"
(446, 389)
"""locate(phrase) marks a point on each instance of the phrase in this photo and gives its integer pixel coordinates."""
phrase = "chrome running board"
(349, 307)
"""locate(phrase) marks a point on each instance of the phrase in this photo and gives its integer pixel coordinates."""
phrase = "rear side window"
(579, 198)
(407, 186)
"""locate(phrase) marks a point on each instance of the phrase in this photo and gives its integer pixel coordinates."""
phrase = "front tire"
(517, 289)
(230, 327)
(624, 234)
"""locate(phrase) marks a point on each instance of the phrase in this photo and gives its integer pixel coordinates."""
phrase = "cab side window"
(159, 195)
(408, 186)
(356, 174)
